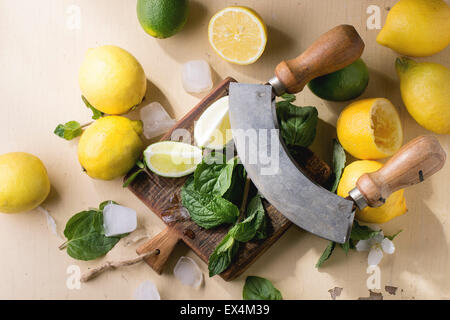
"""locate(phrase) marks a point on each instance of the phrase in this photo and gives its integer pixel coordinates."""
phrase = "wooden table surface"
(42, 44)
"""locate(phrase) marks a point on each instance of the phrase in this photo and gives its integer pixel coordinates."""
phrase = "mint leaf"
(358, 233)
(394, 235)
(131, 178)
(81, 223)
(235, 192)
(213, 175)
(297, 124)
(347, 246)
(362, 232)
(69, 130)
(257, 288)
(141, 166)
(289, 97)
(96, 114)
(85, 236)
(261, 233)
(207, 210)
(222, 255)
(105, 203)
(326, 254)
(338, 163)
(246, 230)
(91, 246)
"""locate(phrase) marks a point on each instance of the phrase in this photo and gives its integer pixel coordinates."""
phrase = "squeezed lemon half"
(370, 129)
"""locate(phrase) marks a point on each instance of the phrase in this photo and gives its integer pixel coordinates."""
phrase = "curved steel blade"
(256, 136)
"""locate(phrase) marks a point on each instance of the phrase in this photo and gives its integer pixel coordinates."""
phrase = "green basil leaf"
(246, 230)
(214, 174)
(69, 130)
(326, 254)
(362, 232)
(207, 210)
(338, 163)
(297, 124)
(223, 255)
(257, 288)
(96, 114)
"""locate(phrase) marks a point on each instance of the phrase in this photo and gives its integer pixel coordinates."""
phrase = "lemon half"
(238, 35)
(213, 129)
(370, 129)
(172, 159)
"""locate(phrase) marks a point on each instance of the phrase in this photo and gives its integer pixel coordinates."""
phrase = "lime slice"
(172, 159)
(213, 130)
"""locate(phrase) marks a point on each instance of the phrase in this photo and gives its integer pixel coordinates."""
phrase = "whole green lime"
(162, 18)
(345, 84)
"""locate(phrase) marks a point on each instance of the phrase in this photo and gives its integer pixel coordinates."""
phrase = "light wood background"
(39, 61)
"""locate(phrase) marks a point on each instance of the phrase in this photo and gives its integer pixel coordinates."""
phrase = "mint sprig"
(207, 210)
(68, 130)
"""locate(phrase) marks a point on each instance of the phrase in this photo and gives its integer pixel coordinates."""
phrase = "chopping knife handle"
(414, 162)
(333, 51)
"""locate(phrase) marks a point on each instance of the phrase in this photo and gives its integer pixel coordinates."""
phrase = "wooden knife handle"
(333, 51)
(413, 163)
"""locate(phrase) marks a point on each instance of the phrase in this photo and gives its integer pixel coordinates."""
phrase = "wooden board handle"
(165, 242)
(413, 163)
(333, 51)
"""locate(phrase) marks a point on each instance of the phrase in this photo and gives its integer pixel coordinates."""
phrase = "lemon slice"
(172, 159)
(213, 130)
(370, 129)
(238, 35)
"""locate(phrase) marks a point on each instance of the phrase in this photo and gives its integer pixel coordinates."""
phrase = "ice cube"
(156, 120)
(196, 76)
(147, 291)
(187, 271)
(118, 220)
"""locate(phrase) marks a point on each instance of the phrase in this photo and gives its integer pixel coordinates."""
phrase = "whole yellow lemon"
(112, 80)
(417, 28)
(110, 147)
(425, 89)
(395, 204)
(24, 182)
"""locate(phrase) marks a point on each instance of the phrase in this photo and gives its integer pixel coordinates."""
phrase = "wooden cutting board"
(162, 196)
